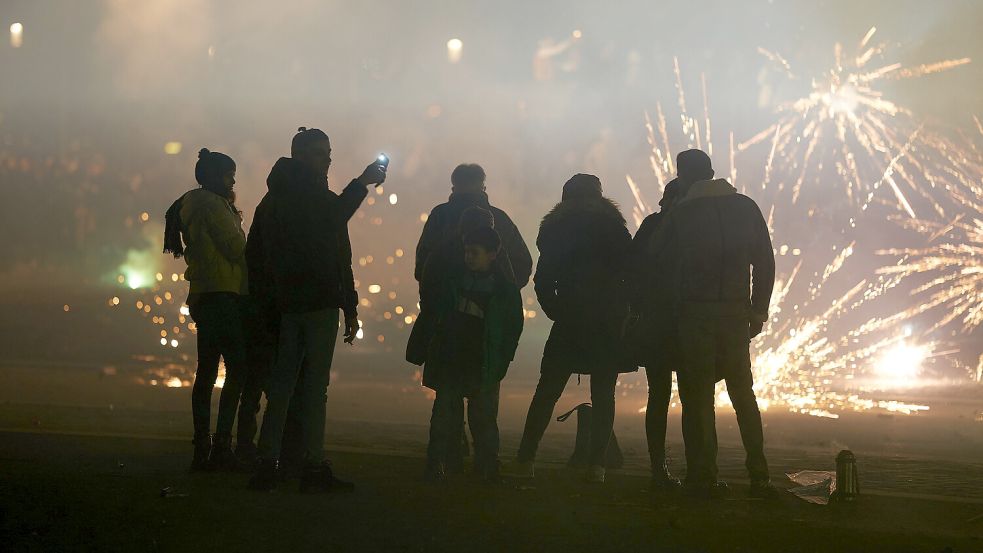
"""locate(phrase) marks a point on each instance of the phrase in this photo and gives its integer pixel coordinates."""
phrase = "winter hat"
(694, 165)
(486, 237)
(475, 217)
(211, 168)
(304, 138)
(581, 186)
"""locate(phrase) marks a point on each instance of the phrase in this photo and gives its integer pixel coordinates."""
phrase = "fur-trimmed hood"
(581, 212)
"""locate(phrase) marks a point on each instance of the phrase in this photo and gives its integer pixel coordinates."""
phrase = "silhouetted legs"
(548, 392)
(219, 326)
(657, 412)
(303, 336)
(698, 347)
(445, 428)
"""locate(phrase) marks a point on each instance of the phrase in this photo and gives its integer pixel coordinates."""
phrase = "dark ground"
(65, 492)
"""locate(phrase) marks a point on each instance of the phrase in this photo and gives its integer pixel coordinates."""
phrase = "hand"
(755, 328)
(351, 329)
(373, 174)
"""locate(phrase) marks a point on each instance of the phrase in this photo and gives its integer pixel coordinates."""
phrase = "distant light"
(163, 341)
(17, 35)
(380, 338)
(174, 382)
(173, 343)
(374, 288)
(174, 277)
(115, 300)
(144, 216)
(577, 33)
(399, 253)
(455, 48)
(408, 319)
(399, 309)
(67, 308)
(393, 199)
(185, 310)
(135, 280)
(211, 52)
(359, 334)
(172, 148)
(424, 217)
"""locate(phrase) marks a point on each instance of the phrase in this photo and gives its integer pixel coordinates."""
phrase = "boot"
(596, 474)
(266, 476)
(764, 489)
(662, 480)
(320, 478)
(203, 445)
(221, 458)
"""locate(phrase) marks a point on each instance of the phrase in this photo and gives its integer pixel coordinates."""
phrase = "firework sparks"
(800, 363)
(956, 266)
(844, 124)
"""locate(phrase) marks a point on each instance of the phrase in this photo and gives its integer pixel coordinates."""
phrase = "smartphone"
(383, 160)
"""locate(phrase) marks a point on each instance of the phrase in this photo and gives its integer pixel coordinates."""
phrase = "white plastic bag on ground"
(814, 486)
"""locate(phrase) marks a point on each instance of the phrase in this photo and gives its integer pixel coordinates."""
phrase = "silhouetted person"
(583, 254)
(467, 190)
(446, 262)
(478, 324)
(205, 228)
(303, 229)
(654, 305)
(723, 267)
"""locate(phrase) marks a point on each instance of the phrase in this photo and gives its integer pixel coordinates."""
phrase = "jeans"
(659, 378)
(218, 320)
(445, 425)
(304, 337)
(548, 391)
(714, 346)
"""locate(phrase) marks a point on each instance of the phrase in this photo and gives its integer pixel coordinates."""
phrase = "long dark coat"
(583, 254)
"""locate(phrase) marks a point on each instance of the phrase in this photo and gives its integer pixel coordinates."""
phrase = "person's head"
(693, 166)
(481, 247)
(468, 177)
(216, 172)
(581, 187)
(312, 148)
(473, 218)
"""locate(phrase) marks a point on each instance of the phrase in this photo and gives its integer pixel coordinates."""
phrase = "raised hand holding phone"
(375, 173)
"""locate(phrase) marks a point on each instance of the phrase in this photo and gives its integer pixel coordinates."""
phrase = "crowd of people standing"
(686, 294)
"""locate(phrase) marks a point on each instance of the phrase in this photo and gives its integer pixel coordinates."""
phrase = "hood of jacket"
(708, 189)
(584, 210)
(469, 198)
(289, 175)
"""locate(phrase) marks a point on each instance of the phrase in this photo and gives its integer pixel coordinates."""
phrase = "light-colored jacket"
(216, 244)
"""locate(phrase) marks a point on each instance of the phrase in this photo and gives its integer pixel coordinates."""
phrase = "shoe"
(520, 469)
(595, 474)
(699, 490)
(246, 453)
(320, 478)
(221, 458)
(764, 489)
(662, 480)
(435, 472)
(265, 478)
(203, 445)
(490, 473)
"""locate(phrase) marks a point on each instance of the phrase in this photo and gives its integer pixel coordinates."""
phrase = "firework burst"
(845, 130)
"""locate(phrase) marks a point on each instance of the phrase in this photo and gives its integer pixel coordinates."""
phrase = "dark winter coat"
(717, 249)
(443, 221)
(502, 328)
(298, 247)
(583, 257)
(652, 333)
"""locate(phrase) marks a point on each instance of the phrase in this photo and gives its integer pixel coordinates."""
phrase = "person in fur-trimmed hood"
(584, 245)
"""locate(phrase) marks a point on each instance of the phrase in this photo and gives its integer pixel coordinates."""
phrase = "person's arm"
(545, 281)
(352, 196)
(762, 269)
(519, 256)
(514, 322)
(429, 239)
(225, 230)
